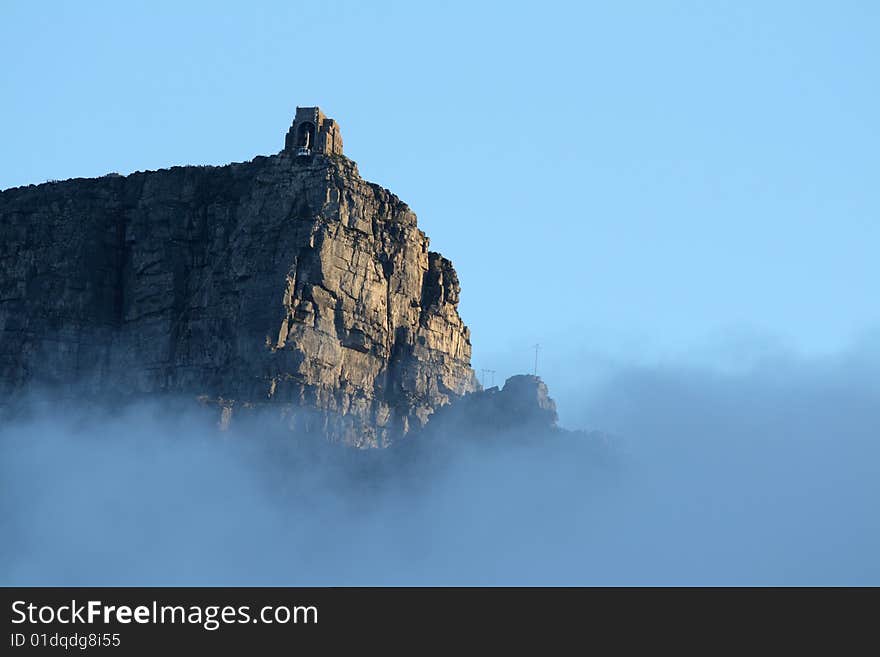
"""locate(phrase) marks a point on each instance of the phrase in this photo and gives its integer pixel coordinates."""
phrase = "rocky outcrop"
(286, 283)
(521, 414)
(523, 406)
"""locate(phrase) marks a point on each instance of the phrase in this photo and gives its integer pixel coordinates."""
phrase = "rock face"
(286, 281)
(522, 407)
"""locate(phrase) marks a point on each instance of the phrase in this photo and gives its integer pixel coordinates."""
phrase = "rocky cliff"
(285, 282)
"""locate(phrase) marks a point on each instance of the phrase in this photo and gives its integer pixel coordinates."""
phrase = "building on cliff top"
(312, 132)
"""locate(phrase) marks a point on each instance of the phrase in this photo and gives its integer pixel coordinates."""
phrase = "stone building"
(312, 133)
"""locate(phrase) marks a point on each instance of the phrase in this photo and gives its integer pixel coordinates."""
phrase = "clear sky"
(631, 181)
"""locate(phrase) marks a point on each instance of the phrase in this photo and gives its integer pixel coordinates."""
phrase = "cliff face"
(287, 282)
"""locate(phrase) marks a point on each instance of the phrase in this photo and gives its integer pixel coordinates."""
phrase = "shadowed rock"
(522, 406)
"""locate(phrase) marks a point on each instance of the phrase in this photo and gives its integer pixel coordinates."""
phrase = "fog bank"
(764, 476)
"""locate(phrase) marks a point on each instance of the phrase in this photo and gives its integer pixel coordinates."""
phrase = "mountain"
(286, 283)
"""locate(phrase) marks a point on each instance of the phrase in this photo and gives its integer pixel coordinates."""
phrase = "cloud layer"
(766, 476)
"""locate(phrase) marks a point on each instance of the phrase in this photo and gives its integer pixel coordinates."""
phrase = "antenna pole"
(537, 348)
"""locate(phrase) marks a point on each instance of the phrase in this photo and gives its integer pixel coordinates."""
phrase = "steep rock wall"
(283, 282)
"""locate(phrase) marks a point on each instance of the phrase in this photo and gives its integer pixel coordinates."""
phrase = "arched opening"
(305, 135)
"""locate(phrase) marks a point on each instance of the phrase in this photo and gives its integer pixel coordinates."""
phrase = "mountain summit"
(287, 281)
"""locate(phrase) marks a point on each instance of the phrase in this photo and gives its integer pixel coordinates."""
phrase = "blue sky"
(627, 181)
